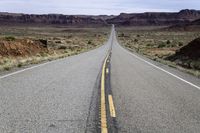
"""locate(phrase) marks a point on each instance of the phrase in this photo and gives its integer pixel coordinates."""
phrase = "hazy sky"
(95, 7)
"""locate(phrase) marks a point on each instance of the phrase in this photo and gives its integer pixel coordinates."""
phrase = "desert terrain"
(132, 72)
(25, 45)
(159, 44)
(29, 39)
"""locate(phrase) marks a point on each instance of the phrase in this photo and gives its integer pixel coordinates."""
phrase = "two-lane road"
(63, 96)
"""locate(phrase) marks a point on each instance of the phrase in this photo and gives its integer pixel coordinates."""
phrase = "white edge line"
(35, 66)
(29, 68)
(160, 68)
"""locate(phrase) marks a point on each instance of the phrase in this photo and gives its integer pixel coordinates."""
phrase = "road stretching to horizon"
(104, 90)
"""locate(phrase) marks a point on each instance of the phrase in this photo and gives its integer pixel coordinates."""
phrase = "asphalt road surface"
(150, 98)
(63, 96)
(56, 97)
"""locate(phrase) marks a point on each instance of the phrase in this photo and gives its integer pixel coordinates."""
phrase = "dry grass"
(61, 42)
(156, 44)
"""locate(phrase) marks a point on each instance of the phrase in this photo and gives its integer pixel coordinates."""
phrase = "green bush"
(180, 44)
(173, 45)
(89, 42)
(62, 47)
(135, 40)
(19, 65)
(195, 65)
(10, 38)
(161, 45)
(122, 35)
(7, 68)
(44, 42)
(168, 42)
(58, 41)
(149, 45)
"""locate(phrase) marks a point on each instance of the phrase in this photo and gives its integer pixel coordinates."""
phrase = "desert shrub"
(122, 35)
(58, 41)
(180, 44)
(66, 51)
(7, 68)
(43, 41)
(56, 38)
(173, 45)
(149, 45)
(43, 54)
(161, 45)
(4, 61)
(19, 65)
(62, 47)
(89, 42)
(195, 65)
(69, 36)
(10, 38)
(168, 42)
(135, 40)
(138, 35)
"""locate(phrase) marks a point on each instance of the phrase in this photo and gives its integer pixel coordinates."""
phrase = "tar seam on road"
(93, 107)
(107, 108)
(162, 69)
(104, 128)
(112, 121)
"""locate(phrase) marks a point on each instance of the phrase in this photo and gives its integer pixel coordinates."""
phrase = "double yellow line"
(104, 127)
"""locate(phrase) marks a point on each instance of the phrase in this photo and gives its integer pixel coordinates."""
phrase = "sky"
(95, 7)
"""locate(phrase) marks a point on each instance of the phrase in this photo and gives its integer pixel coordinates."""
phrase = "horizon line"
(97, 14)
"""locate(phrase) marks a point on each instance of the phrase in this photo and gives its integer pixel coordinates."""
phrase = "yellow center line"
(103, 101)
(111, 106)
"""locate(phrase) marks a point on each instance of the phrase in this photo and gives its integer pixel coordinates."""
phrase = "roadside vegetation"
(159, 45)
(21, 46)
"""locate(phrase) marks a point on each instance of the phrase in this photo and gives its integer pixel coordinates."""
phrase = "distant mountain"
(189, 26)
(124, 19)
(52, 19)
(155, 18)
(196, 22)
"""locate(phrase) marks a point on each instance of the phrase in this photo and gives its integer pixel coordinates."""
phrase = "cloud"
(95, 6)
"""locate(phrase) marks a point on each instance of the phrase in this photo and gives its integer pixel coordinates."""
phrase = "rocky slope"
(190, 51)
(21, 47)
(189, 55)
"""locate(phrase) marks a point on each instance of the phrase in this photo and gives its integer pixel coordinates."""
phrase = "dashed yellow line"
(107, 70)
(111, 106)
(104, 128)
